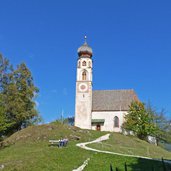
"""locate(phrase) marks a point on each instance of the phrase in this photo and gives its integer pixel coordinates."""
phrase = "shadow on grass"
(149, 165)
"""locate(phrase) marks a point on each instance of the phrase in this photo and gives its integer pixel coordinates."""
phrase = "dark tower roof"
(85, 50)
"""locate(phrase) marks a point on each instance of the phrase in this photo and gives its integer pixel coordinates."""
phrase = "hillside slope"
(28, 150)
(131, 145)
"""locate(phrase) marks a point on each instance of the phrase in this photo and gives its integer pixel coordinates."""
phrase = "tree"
(139, 121)
(5, 68)
(3, 120)
(163, 124)
(17, 93)
(69, 120)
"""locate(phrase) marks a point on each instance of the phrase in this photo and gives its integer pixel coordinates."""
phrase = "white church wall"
(108, 116)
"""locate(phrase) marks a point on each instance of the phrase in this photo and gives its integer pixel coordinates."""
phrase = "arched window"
(78, 64)
(84, 63)
(84, 75)
(89, 64)
(116, 122)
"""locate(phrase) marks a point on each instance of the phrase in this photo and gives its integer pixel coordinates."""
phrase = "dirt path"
(103, 138)
(100, 139)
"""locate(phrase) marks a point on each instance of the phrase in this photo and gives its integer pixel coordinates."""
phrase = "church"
(102, 110)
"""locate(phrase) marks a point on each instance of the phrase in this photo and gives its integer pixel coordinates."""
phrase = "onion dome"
(85, 50)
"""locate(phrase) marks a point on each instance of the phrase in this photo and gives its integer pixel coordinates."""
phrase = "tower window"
(84, 75)
(89, 64)
(84, 63)
(116, 122)
(79, 64)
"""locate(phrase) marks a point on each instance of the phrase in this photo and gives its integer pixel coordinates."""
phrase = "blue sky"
(131, 41)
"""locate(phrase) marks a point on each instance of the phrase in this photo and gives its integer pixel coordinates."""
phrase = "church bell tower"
(83, 104)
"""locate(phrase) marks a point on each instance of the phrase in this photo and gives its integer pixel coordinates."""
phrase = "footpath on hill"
(103, 138)
(100, 139)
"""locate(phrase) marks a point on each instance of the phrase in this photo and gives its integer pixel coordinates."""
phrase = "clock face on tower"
(83, 87)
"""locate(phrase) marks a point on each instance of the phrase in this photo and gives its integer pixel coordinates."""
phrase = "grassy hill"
(131, 145)
(28, 150)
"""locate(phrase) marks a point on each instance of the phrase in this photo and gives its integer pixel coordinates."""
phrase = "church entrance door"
(98, 127)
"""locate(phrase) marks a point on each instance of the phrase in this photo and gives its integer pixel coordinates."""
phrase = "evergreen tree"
(17, 93)
(5, 68)
(3, 120)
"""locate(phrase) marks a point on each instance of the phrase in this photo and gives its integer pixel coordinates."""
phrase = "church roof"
(112, 100)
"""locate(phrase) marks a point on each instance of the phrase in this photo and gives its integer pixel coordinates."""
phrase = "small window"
(116, 122)
(89, 64)
(84, 75)
(79, 64)
(84, 63)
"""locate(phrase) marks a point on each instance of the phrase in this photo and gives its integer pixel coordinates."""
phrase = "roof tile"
(113, 100)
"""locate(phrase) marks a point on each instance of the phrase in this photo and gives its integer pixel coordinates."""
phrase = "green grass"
(101, 162)
(131, 145)
(39, 156)
(28, 150)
